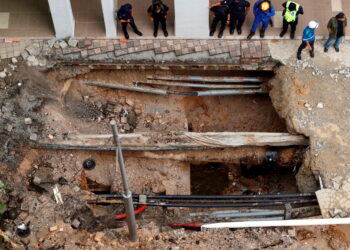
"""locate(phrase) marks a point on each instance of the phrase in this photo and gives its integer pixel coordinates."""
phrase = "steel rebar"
(127, 196)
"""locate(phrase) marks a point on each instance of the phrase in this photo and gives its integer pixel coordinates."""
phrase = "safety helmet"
(313, 25)
(265, 6)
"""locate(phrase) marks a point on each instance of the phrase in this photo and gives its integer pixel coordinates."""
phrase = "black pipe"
(247, 204)
(215, 197)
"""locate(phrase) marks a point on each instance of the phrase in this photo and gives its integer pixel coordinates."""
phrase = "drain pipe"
(127, 196)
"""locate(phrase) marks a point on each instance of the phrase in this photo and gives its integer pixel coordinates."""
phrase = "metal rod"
(128, 202)
(168, 92)
(216, 197)
(196, 85)
(201, 79)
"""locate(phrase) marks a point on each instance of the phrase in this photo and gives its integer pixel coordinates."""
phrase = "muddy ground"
(57, 106)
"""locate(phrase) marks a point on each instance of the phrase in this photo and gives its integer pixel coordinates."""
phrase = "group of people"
(157, 12)
(234, 12)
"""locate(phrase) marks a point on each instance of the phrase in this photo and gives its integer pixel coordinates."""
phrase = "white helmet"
(313, 25)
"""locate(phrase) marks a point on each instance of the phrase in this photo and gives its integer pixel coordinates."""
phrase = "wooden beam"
(179, 140)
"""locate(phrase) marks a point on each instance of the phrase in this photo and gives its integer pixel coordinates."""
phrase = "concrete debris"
(57, 195)
(292, 233)
(24, 54)
(28, 121)
(37, 180)
(34, 49)
(63, 44)
(32, 61)
(51, 42)
(124, 120)
(75, 223)
(76, 189)
(129, 102)
(72, 42)
(3, 74)
(33, 137)
(14, 60)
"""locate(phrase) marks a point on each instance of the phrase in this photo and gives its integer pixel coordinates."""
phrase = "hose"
(137, 211)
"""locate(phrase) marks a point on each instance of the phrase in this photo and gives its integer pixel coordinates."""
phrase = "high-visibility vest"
(291, 16)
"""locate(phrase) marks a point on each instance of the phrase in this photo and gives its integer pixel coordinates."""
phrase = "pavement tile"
(110, 47)
(84, 53)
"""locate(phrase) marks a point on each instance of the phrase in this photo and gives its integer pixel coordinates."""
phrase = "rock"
(123, 120)
(72, 42)
(127, 127)
(37, 180)
(28, 121)
(23, 216)
(33, 137)
(320, 105)
(98, 236)
(63, 44)
(76, 189)
(51, 42)
(24, 54)
(9, 127)
(14, 60)
(292, 233)
(75, 224)
(47, 244)
(129, 102)
(34, 49)
(53, 228)
(3, 74)
(50, 136)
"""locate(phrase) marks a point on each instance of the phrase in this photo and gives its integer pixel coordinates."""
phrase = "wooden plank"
(184, 140)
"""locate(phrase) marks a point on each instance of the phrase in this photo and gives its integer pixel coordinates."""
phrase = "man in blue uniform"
(263, 11)
(125, 16)
(158, 14)
(309, 38)
(239, 9)
(221, 12)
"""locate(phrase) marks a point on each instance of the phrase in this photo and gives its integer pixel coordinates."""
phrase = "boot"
(221, 33)
(312, 54)
(298, 56)
(251, 34)
(232, 31)
(239, 31)
(211, 33)
(292, 35)
(155, 34)
(262, 33)
(166, 33)
(126, 36)
(283, 33)
(139, 33)
(325, 50)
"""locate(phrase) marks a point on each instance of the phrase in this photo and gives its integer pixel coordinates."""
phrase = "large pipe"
(201, 79)
(127, 196)
(168, 92)
(196, 85)
(280, 223)
(216, 197)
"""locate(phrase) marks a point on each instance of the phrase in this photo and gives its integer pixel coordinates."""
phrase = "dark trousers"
(303, 45)
(236, 20)
(217, 19)
(293, 26)
(125, 27)
(156, 22)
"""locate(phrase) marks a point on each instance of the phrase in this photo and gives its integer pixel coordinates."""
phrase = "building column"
(62, 17)
(191, 18)
(108, 8)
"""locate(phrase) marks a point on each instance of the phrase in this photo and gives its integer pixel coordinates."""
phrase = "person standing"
(239, 9)
(158, 13)
(125, 16)
(336, 28)
(221, 12)
(308, 39)
(290, 17)
(263, 11)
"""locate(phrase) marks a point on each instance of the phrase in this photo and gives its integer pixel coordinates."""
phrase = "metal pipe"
(246, 204)
(127, 196)
(231, 92)
(201, 79)
(204, 86)
(216, 197)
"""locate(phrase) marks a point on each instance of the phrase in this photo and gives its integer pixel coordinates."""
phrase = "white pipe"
(281, 223)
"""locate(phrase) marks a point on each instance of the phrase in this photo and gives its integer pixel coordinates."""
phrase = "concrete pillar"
(62, 17)
(108, 8)
(191, 18)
